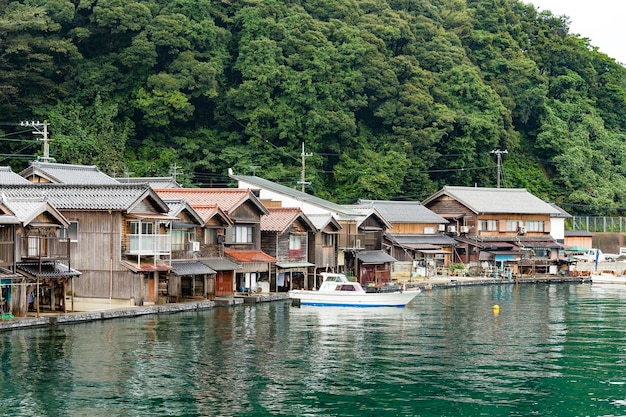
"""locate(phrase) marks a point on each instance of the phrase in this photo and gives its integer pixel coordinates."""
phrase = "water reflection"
(551, 350)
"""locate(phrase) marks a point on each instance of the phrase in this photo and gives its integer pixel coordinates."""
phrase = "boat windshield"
(345, 287)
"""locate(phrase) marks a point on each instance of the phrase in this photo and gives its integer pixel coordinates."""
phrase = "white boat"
(607, 278)
(338, 290)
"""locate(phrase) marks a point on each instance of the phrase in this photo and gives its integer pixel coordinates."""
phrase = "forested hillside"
(392, 98)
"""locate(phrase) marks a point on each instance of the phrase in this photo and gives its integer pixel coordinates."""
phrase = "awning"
(48, 270)
(8, 219)
(146, 266)
(375, 257)
(190, 268)
(435, 251)
(287, 265)
(502, 258)
(250, 256)
(220, 264)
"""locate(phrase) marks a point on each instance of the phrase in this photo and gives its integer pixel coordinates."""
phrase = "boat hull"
(316, 298)
(608, 279)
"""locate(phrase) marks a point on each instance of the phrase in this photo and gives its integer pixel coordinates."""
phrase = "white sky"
(602, 21)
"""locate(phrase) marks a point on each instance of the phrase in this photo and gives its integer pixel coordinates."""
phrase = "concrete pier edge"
(87, 316)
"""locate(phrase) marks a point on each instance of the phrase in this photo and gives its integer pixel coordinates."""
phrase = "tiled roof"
(404, 211)
(176, 207)
(321, 221)
(68, 174)
(228, 199)
(256, 182)
(80, 197)
(26, 210)
(362, 214)
(7, 176)
(154, 182)
(250, 256)
(48, 269)
(280, 218)
(496, 200)
(208, 212)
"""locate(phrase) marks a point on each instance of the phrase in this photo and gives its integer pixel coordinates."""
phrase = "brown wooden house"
(285, 234)
(503, 228)
(241, 240)
(35, 263)
(119, 238)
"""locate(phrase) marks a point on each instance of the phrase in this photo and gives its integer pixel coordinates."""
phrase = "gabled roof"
(28, 209)
(7, 176)
(117, 197)
(495, 200)
(66, 174)
(322, 221)
(249, 256)
(154, 182)
(210, 211)
(562, 213)
(362, 214)
(404, 211)
(260, 183)
(179, 206)
(228, 199)
(280, 218)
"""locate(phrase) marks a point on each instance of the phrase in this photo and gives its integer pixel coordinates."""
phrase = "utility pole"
(302, 181)
(174, 171)
(499, 154)
(41, 129)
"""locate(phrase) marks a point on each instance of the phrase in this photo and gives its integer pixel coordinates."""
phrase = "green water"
(555, 350)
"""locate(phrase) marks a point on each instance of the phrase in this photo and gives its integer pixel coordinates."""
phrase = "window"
(295, 243)
(511, 225)
(328, 240)
(429, 230)
(178, 239)
(210, 236)
(535, 226)
(242, 234)
(71, 232)
(139, 228)
(488, 225)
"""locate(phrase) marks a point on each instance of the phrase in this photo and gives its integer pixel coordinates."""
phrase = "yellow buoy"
(496, 310)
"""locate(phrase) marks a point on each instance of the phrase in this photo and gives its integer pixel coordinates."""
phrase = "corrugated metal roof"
(68, 174)
(7, 176)
(220, 264)
(26, 210)
(80, 197)
(146, 266)
(439, 239)
(249, 256)
(321, 221)
(375, 257)
(191, 268)
(497, 200)
(256, 182)
(404, 211)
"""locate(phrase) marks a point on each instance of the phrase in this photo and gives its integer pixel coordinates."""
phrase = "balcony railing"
(149, 244)
(49, 247)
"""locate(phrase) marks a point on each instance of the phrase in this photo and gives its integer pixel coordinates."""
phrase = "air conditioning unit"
(442, 227)
(521, 230)
(195, 246)
(451, 229)
(464, 229)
